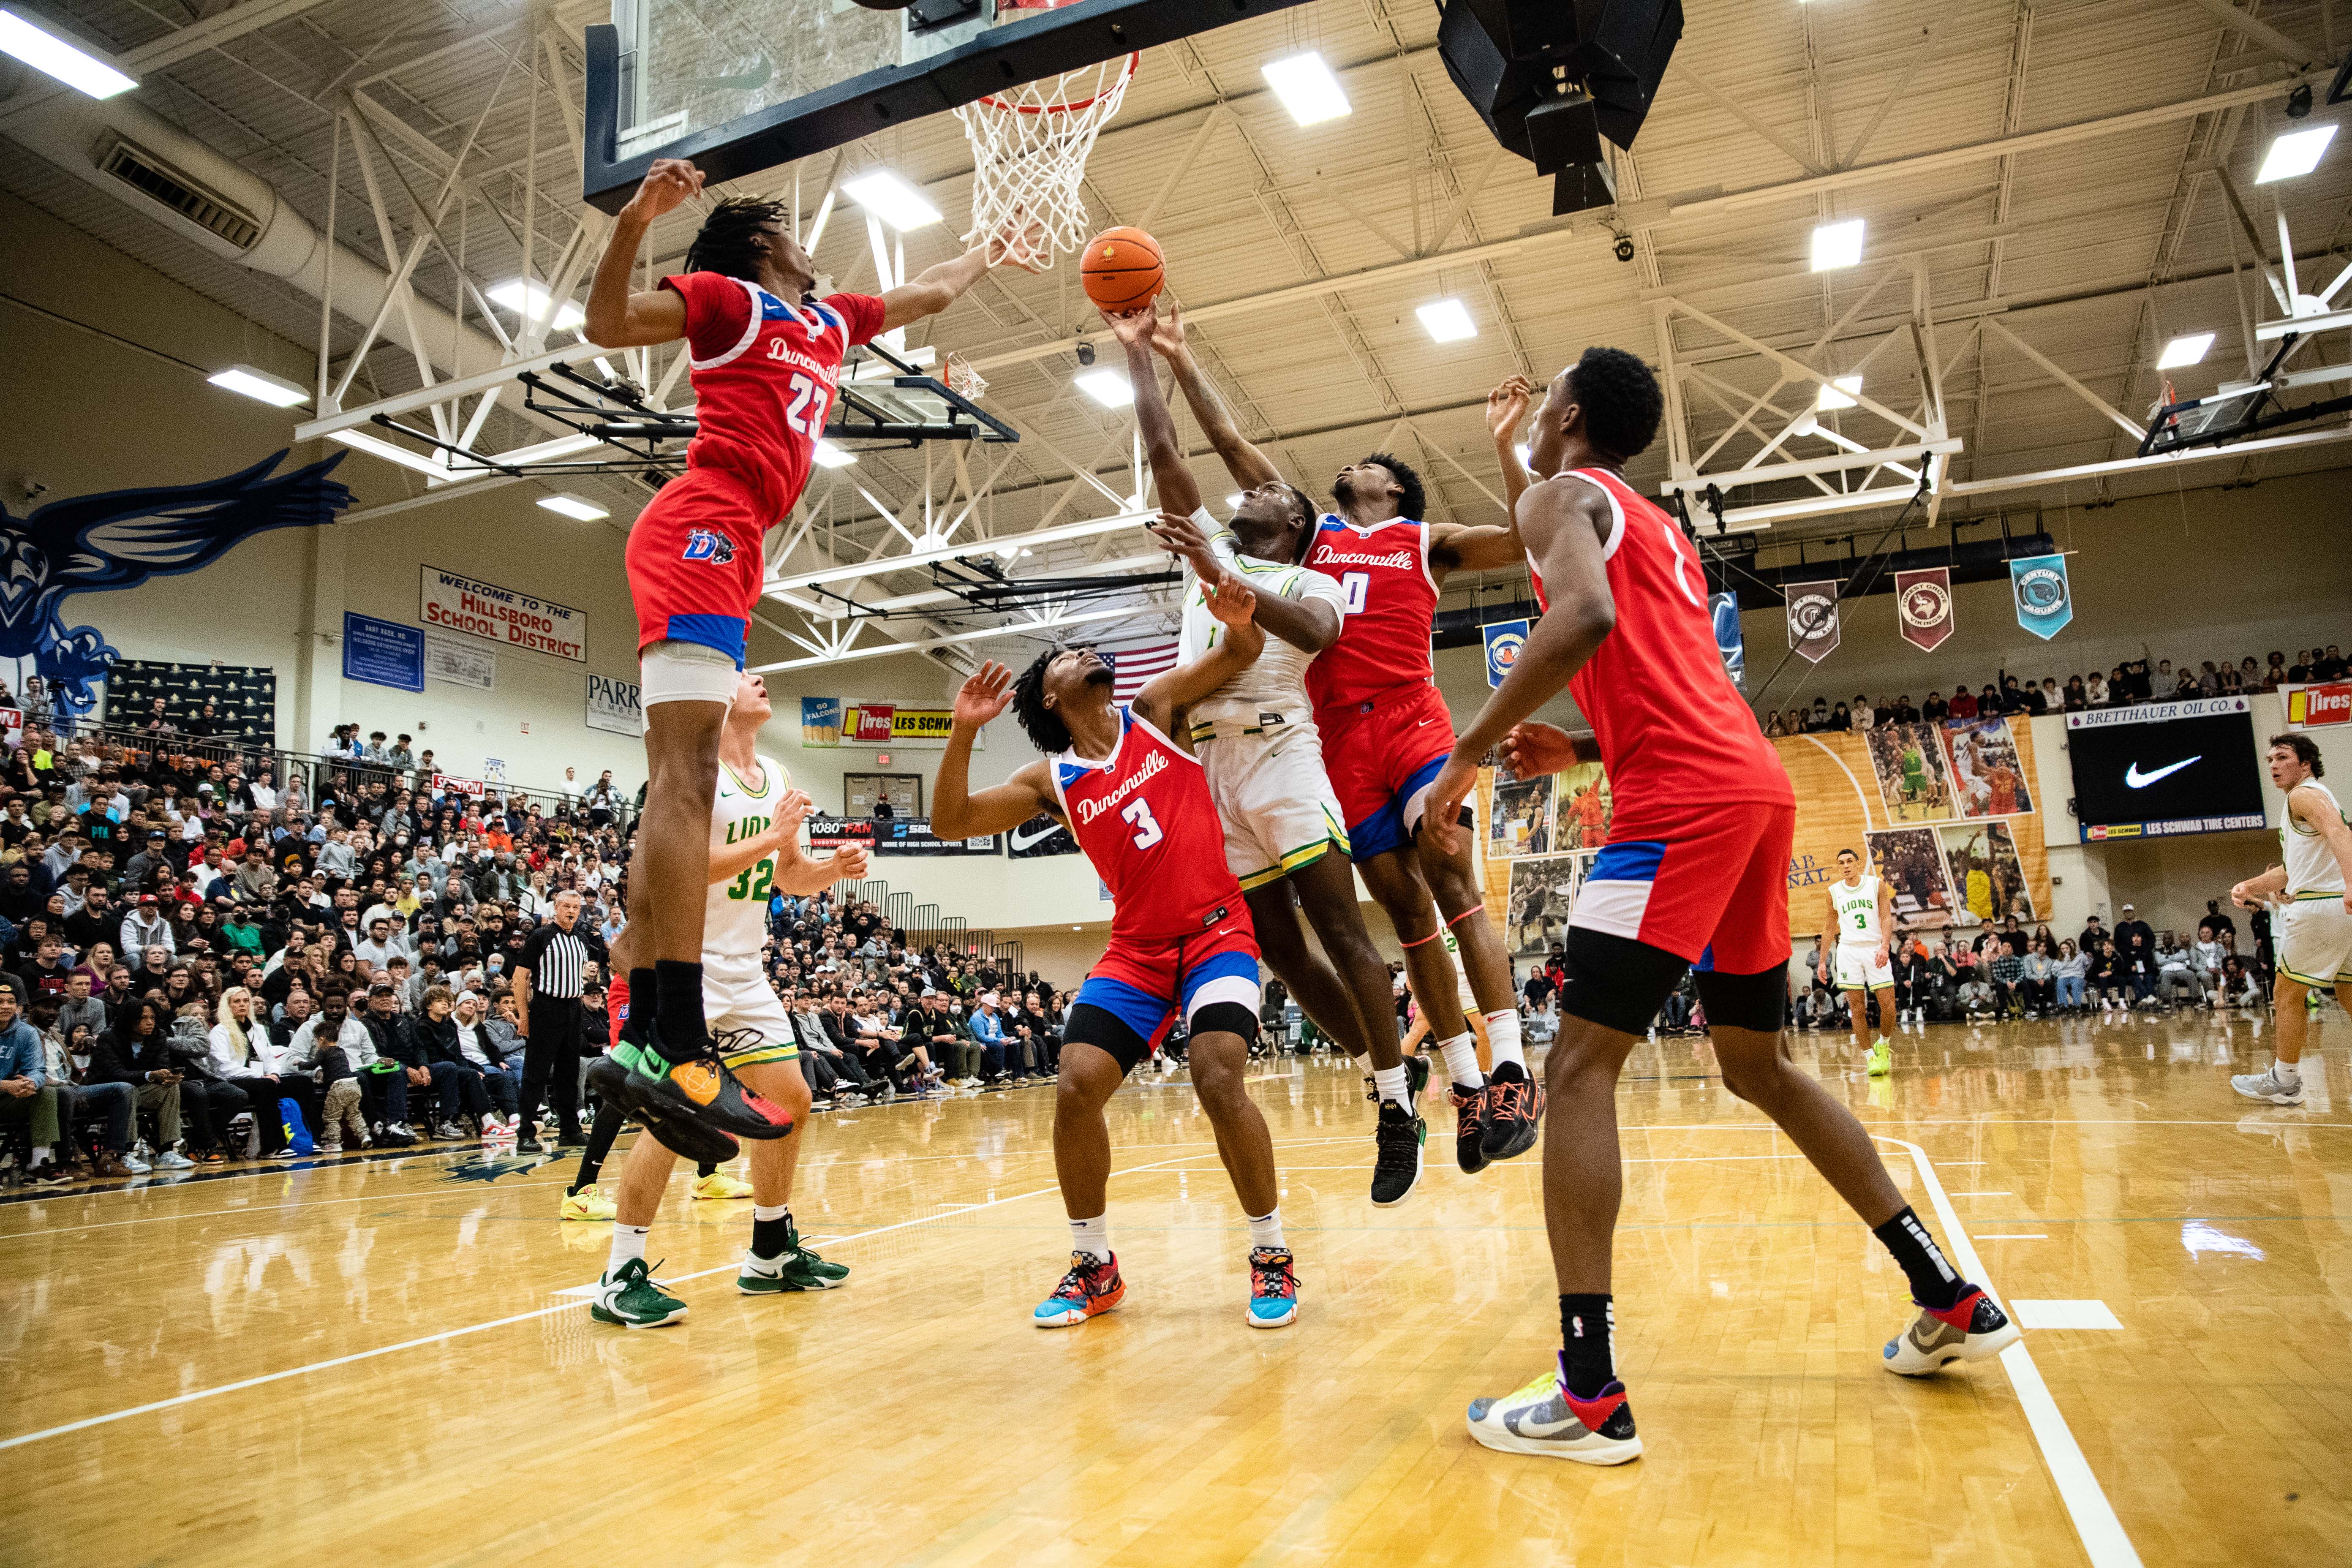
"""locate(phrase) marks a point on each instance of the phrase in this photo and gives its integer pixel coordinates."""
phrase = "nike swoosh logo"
(1424, 723)
(2138, 780)
(1022, 841)
(1527, 1426)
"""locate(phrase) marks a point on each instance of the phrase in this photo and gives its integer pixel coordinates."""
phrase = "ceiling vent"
(159, 181)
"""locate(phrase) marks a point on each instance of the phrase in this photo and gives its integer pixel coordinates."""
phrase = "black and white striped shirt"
(558, 960)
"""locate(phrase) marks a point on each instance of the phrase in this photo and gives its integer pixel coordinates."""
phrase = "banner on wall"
(819, 720)
(456, 663)
(455, 603)
(1039, 837)
(2317, 707)
(841, 832)
(445, 785)
(2045, 602)
(1724, 608)
(912, 836)
(614, 706)
(1504, 641)
(383, 653)
(831, 721)
(1813, 618)
(1923, 606)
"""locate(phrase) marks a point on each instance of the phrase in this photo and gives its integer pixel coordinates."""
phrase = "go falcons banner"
(1923, 606)
(1813, 618)
(2045, 602)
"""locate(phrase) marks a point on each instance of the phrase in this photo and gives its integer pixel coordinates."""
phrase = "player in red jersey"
(765, 360)
(1181, 938)
(1385, 732)
(1695, 873)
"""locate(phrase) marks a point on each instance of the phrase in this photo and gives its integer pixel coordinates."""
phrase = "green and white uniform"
(1255, 735)
(2315, 929)
(1859, 937)
(735, 991)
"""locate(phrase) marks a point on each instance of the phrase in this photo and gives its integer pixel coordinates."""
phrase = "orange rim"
(1127, 75)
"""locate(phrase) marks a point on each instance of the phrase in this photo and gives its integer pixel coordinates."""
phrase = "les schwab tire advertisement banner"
(921, 727)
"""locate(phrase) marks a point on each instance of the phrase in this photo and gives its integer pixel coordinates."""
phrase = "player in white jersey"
(754, 851)
(1854, 950)
(1285, 840)
(2313, 925)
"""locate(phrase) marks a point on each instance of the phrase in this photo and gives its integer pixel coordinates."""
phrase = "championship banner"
(1724, 609)
(2317, 707)
(1813, 618)
(1504, 640)
(2044, 602)
(455, 603)
(1923, 606)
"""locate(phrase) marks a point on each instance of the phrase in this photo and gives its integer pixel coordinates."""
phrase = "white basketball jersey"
(2310, 867)
(1272, 693)
(735, 919)
(1857, 911)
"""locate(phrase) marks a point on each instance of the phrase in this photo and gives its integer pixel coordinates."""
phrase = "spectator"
(2068, 973)
(2038, 987)
(145, 928)
(238, 1058)
(27, 1093)
(2176, 972)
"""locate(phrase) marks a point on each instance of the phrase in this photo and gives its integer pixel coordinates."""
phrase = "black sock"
(644, 1005)
(678, 1006)
(708, 1168)
(1588, 1328)
(770, 1237)
(1934, 1281)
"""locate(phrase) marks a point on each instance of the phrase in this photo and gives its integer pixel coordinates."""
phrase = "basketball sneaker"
(632, 1300)
(587, 1204)
(701, 1091)
(1274, 1287)
(1514, 1111)
(1397, 1140)
(795, 1268)
(2267, 1085)
(1416, 1077)
(1881, 1060)
(719, 1184)
(1543, 1418)
(1087, 1288)
(609, 1077)
(1971, 1329)
(1470, 1129)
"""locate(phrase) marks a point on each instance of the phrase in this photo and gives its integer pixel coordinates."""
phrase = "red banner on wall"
(1923, 606)
(873, 723)
(1813, 618)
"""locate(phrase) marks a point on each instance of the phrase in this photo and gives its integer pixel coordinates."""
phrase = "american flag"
(1136, 663)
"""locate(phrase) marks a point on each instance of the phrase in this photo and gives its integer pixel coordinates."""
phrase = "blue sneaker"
(1274, 1287)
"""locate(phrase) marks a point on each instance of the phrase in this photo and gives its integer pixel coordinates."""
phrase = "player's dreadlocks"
(1040, 723)
(732, 241)
(1415, 497)
(1621, 400)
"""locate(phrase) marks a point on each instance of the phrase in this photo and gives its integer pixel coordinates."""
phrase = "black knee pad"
(1224, 1019)
(1616, 982)
(1757, 1002)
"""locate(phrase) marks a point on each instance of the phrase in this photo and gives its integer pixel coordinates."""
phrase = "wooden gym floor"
(374, 1363)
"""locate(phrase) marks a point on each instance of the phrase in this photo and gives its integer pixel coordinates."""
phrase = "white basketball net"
(1029, 149)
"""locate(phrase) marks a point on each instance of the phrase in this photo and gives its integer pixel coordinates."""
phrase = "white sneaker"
(172, 1160)
(2267, 1085)
(136, 1165)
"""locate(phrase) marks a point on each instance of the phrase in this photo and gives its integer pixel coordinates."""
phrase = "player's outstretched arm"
(1564, 521)
(933, 290)
(1231, 600)
(1242, 459)
(1178, 491)
(956, 811)
(1507, 409)
(616, 318)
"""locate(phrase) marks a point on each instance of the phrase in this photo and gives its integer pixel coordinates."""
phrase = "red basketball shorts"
(1382, 757)
(1708, 883)
(694, 563)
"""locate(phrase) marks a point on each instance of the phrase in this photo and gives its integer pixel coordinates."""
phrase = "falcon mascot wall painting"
(119, 539)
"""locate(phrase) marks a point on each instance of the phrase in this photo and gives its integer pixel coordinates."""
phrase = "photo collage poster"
(1542, 835)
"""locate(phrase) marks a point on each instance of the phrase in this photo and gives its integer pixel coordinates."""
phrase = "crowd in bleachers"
(2132, 681)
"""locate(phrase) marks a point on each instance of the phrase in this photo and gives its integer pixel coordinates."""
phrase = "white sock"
(1266, 1230)
(628, 1242)
(40, 1156)
(1503, 1035)
(771, 1211)
(1461, 1054)
(1092, 1236)
(1389, 1083)
(2286, 1072)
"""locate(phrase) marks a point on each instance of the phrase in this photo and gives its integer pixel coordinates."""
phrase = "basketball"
(1123, 269)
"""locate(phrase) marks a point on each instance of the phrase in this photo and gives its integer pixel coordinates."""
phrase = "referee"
(550, 974)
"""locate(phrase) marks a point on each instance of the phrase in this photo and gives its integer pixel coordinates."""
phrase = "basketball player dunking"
(1128, 789)
(1385, 732)
(1854, 951)
(1695, 873)
(765, 359)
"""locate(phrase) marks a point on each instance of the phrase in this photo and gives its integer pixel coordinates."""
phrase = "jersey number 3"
(1137, 815)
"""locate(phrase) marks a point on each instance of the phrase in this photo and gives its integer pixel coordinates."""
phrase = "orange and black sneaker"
(1470, 1127)
(680, 1133)
(1090, 1286)
(699, 1090)
(1514, 1110)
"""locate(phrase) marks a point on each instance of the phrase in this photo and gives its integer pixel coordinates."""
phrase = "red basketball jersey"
(1674, 731)
(616, 1009)
(764, 371)
(1392, 606)
(1145, 819)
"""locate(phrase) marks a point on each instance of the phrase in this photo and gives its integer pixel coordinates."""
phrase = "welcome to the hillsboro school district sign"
(477, 609)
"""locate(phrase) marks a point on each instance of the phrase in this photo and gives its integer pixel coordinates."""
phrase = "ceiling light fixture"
(529, 300)
(2295, 152)
(1447, 320)
(575, 508)
(829, 456)
(274, 390)
(1108, 387)
(1841, 393)
(891, 199)
(1837, 245)
(1307, 89)
(68, 62)
(2187, 349)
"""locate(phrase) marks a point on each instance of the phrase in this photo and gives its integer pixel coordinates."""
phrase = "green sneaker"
(632, 1300)
(1881, 1058)
(795, 1268)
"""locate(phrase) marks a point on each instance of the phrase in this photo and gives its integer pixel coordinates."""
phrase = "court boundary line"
(2102, 1534)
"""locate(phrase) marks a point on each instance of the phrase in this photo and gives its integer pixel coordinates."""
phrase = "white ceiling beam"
(913, 559)
(2064, 380)
(1012, 629)
(1739, 477)
(2262, 32)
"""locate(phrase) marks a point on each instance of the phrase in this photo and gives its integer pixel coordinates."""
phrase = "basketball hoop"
(962, 379)
(1029, 149)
